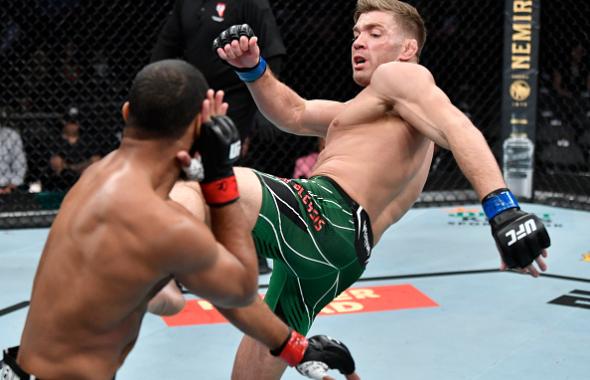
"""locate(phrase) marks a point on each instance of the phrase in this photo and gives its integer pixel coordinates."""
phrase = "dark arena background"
(72, 61)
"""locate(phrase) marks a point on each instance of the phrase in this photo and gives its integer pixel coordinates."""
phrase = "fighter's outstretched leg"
(254, 362)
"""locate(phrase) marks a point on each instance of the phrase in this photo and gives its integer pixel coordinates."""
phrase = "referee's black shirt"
(194, 24)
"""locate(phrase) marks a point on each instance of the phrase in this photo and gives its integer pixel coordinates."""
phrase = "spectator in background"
(571, 83)
(572, 80)
(101, 83)
(304, 165)
(34, 82)
(13, 162)
(189, 32)
(10, 33)
(71, 70)
(72, 86)
(74, 150)
(70, 156)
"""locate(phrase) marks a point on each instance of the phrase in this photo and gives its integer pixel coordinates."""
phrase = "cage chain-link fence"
(67, 66)
(562, 170)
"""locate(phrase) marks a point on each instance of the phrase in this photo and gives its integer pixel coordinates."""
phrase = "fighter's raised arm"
(232, 254)
(409, 89)
(238, 46)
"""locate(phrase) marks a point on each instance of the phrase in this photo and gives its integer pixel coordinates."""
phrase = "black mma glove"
(520, 236)
(314, 356)
(219, 146)
(233, 33)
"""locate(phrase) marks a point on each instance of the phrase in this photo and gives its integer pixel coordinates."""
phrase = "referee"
(188, 34)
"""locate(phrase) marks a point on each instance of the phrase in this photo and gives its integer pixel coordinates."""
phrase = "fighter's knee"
(165, 307)
(167, 302)
(188, 194)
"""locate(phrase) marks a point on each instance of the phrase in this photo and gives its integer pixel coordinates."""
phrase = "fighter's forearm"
(476, 160)
(259, 322)
(277, 102)
(227, 226)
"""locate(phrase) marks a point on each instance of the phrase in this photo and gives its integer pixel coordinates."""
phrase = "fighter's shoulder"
(178, 220)
(162, 222)
(403, 69)
(402, 78)
(177, 235)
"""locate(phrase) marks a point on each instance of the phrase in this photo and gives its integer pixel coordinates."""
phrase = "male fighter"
(379, 146)
(118, 239)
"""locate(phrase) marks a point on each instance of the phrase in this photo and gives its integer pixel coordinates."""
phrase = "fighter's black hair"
(165, 97)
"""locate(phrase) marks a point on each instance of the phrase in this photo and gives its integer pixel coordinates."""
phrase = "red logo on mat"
(357, 300)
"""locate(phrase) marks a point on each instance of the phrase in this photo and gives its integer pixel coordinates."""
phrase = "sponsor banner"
(519, 94)
(521, 62)
(474, 216)
(354, 300)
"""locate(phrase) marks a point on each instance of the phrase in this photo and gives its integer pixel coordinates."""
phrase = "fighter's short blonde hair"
(408, 17)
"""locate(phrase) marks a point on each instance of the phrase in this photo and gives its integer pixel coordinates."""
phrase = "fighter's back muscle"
(99, 246)
(103, 261)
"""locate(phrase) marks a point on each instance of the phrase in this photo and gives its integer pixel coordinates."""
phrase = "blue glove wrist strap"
(499, 201)
(250, 75)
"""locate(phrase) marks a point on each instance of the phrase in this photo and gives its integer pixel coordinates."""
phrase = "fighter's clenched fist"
(238, 46)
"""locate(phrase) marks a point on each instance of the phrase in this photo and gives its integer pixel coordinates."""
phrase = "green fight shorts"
(319, 239)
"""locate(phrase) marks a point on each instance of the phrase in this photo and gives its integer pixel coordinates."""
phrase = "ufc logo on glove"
(521, 236)
(524, 229)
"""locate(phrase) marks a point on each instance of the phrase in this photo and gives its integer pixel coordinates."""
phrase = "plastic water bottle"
(518, 160)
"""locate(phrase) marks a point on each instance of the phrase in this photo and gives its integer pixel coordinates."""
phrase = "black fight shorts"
(9, 369)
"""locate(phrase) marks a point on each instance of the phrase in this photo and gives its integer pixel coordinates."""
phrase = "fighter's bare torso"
(377, 158)
(95, 277)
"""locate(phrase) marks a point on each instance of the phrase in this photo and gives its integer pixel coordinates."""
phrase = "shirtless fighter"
(378, 151)
(118, 238)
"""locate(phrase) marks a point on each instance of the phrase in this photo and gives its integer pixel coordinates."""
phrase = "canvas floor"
(431, 305)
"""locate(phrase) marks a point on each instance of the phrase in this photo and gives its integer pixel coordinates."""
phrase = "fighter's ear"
(125, 111)
(409, 50)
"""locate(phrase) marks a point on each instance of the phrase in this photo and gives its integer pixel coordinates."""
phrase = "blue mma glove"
(520, 236)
